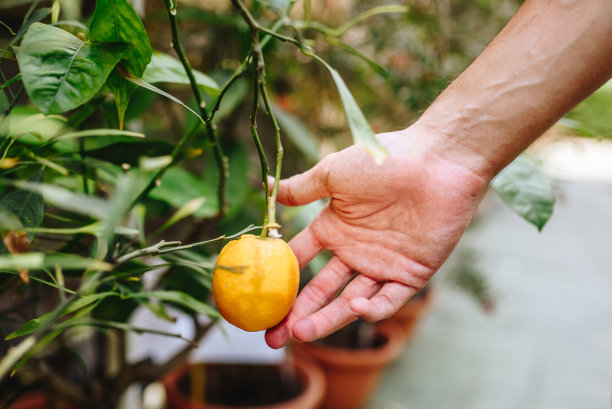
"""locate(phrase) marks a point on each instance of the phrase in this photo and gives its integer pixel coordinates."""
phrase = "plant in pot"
(122, 171)
(114, 155)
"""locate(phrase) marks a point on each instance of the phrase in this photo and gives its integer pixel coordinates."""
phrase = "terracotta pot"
(309, 373)
(353, 374)
(35, 400)
(409, 315)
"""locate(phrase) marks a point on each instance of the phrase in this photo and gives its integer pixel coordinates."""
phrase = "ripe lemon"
(255, 282)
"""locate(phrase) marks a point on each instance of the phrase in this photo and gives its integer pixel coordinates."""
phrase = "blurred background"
(516, 317)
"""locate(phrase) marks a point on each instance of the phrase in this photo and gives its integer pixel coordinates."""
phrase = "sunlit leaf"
(178, 187)
(181, 299)
(593, 116)
(298, 133)
(150, 87)
(525, 189)
(37, 261)
(167, 69)
(67, 200)
(14, 354)
(127, 189)
(184, 211)
(98, 132)
(360, 128)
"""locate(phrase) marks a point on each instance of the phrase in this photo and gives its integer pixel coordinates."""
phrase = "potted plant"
(122, 169)
(122, 173)
(296, 383)
(353, 359)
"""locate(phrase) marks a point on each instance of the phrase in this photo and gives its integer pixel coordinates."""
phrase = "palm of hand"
(390, 227)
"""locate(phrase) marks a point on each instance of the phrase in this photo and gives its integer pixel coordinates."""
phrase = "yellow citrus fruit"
(255, 282)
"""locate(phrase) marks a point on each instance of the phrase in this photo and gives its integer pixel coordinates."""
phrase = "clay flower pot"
(36, 400)
(311, 389)
(353, 374)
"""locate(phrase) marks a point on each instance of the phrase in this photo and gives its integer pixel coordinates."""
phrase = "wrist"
(446, 138)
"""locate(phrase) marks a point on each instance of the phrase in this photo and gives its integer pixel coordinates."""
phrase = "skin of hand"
(391, 226)
(394, 224)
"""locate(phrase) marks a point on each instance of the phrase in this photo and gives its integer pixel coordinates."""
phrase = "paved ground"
(548, 342)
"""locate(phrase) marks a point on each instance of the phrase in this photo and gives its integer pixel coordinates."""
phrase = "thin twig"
(213, 137)
(151, 250)
(164, 247)
(270, 226)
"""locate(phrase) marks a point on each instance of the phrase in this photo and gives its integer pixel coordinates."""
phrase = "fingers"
(385, 303)
(337, 313)
(318, 292)
(306, 187)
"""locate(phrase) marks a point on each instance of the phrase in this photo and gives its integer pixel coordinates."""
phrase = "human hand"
(390, 227)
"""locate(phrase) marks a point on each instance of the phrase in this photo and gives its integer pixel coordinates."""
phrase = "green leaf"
(116, 21)
(141, 83)
(525, 189)
(48, 320)
(181, 299)
(593, 116)
(8, 220)
(167, 69)
(4, 104)
(12, 81)
(178, 187)
(32, 128)
(184, 211)
(27, 205)
(31, 18)
(67, 200)
(31, 326)
(128, 187)
(37, 261)
(6, 54)
(33, 348)
(122, 91)
(362, 133)
(99, 132)
(351, 50)
(14, 354)
(298, 133)
(61, 72)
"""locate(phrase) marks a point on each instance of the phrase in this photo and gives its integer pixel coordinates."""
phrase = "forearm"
(549, 57)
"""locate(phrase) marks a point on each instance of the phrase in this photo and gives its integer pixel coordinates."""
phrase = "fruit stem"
(270, 226)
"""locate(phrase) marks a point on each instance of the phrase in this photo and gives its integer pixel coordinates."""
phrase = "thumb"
(306, 187)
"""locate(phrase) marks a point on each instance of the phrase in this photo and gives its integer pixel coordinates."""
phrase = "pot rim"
(309, 372)
(387, 352)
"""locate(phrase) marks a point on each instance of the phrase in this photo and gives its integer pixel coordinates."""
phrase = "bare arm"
(392, 226)
(550, 56)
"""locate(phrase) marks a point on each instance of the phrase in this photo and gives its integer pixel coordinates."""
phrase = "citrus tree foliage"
(131, 148)
(118, 159)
